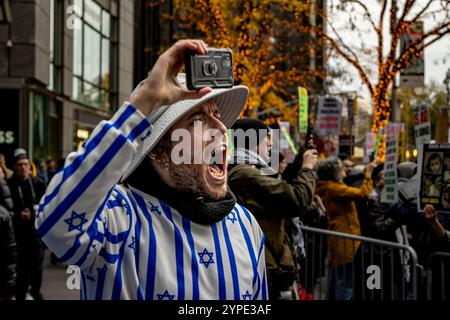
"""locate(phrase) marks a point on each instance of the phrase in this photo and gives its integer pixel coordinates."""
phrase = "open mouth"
(217, 168)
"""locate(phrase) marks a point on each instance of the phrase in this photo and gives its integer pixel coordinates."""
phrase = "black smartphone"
(214, 69)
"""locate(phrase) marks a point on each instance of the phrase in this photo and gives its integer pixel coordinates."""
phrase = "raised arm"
(277, 198)
(72, 213)
(345, 192)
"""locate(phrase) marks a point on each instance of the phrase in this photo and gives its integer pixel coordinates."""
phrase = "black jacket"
(5, 195)
(25, 194)
(8, 255)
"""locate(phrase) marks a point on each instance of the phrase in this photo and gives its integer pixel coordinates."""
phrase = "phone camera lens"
(209, 68)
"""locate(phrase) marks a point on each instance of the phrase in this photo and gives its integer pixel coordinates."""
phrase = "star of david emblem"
(232, 217)
(166, 295)
(132, 245)
(155, 209)
(78, 217)
(206, 260)
(247, 296)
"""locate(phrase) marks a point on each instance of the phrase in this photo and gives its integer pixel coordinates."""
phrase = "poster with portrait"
(435, 176)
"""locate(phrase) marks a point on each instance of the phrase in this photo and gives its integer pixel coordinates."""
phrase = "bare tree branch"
(421, 11)
(383, 10)
(406, 9)
(345, 46)
(347, 57)
(381, 39)
(419, 45)
(397, 29)
(408, 57)
(369, 15)
(439, 11)
(393, 17)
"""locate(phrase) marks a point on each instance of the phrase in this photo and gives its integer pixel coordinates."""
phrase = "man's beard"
(190, 179)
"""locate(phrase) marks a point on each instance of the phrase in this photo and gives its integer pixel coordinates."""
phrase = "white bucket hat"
(230, 102)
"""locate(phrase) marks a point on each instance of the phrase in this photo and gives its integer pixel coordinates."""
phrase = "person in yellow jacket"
(339, 200)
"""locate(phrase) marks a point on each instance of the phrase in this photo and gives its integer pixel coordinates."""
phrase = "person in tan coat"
(339, 200)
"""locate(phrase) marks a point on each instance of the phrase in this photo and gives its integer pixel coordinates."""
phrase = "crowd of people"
(140, 226)
(21, 249)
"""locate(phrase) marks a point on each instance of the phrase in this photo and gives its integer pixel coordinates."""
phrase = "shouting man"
(141, 224)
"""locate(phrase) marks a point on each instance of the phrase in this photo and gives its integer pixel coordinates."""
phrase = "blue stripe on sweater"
(118, 278)
(256, 295)
(232, 260)
(151, 263)
(222, 285)
(178, 251)
(249, 246)
(137, 249)
(194, 262)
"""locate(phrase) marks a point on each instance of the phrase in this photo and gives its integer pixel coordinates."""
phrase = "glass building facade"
(64, 67)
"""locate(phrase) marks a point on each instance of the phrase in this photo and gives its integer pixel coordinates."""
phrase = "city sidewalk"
(54, 282)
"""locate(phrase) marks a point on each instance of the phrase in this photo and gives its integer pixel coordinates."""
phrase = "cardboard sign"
(370, 142)
(412, 76)
(329, 116)
(390, 190)
(422, 127)
(303, 110)
(434, 172)
(287, 145)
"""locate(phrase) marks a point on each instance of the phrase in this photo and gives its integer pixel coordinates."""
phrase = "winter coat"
(339, 201)
(8, 255)
(273, 200)
(5, 195)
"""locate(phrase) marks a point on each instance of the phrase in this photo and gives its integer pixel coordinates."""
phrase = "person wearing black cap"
(26, 192)
(271, 200)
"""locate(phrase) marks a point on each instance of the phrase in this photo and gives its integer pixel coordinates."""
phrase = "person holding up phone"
(139, 224)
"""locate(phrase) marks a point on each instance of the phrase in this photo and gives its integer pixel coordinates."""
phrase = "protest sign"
(434, 172)
(389, 193)
(422, 126)
(329, 116)
(413, 75)
(287, 145)
(303, 110)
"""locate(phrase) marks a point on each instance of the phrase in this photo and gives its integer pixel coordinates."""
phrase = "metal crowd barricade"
(438, 283)
(379, 270)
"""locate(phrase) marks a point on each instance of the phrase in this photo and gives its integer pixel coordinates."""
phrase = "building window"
(56, 45)
(94, 52)
(44, 127)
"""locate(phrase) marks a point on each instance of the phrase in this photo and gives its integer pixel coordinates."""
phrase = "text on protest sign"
(390, 190)
(329, 116)
(422, 126)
